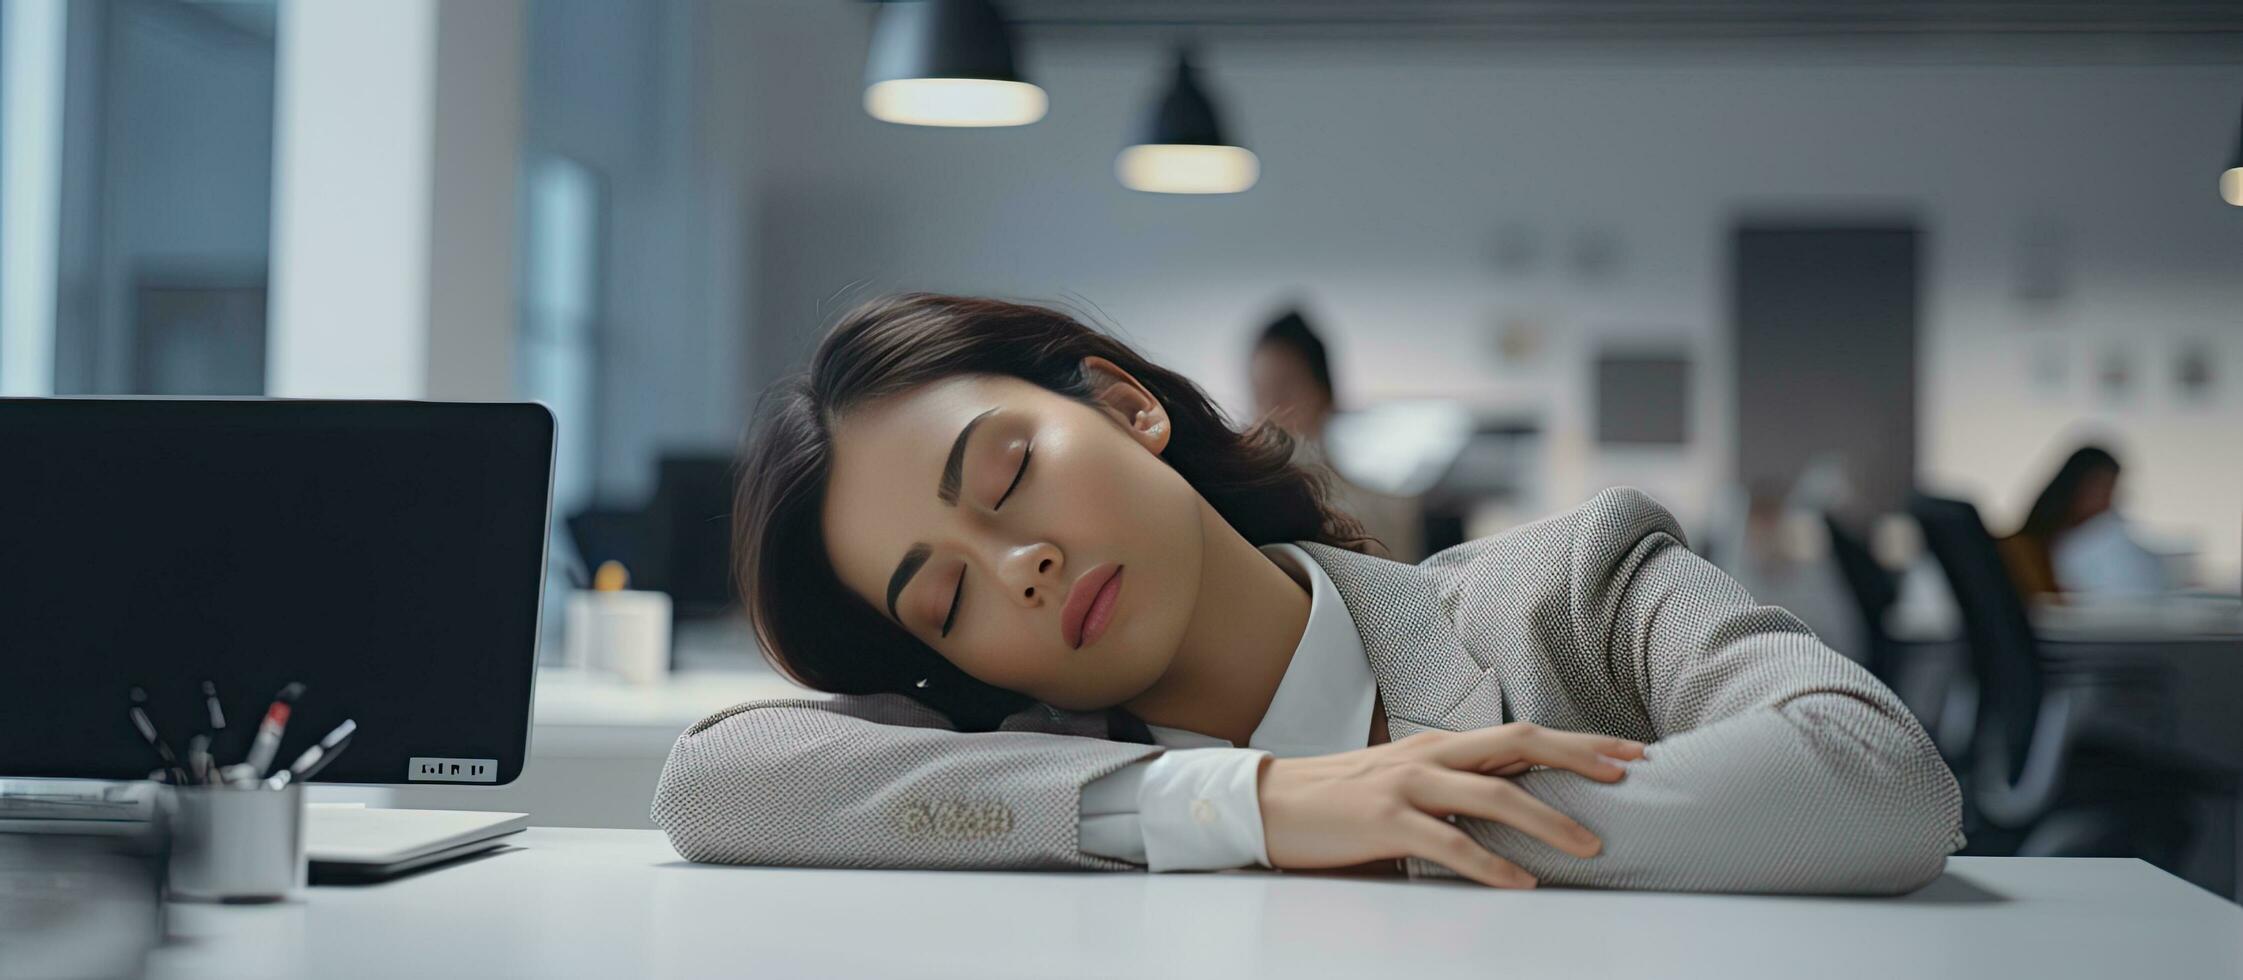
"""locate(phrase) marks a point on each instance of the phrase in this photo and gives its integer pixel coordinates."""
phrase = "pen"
(316, 757)
(210, 700)
(200, 764)
(198, 758)
(147, 728)
(267, 742)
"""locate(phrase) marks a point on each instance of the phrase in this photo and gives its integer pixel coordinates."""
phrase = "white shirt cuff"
(1183, 810)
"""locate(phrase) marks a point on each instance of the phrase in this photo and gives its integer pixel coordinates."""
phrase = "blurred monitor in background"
(678, 543)
(2075, 542)
(1291, 374)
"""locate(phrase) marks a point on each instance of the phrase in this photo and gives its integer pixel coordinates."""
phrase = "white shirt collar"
(1324, 702)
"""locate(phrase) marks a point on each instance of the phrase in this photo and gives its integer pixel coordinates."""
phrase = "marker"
(139, 713)
(267, 742)
(316, 757)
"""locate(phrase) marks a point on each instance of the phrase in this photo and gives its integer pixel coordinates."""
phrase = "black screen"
(386, 554)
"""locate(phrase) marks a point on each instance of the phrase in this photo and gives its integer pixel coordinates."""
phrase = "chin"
(1118, 669)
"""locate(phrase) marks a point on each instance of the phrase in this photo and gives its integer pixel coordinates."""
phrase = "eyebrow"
(905, 569)
(953, 468)
(947, 491)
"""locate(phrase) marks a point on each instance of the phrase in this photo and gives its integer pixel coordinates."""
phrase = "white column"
(397, 137)
(30, 191)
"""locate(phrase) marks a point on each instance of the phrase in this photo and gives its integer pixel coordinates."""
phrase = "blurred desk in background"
(2180, 616)
(2184, 617)
(2188, 647)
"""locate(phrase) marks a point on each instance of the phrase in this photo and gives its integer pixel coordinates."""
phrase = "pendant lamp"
(1181, 148)
(946, 63)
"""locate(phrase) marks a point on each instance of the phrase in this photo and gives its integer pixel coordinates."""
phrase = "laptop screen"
(388, 555)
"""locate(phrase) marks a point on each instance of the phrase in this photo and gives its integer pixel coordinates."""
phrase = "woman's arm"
(883, 782)
(1780, 766)
(878, 782)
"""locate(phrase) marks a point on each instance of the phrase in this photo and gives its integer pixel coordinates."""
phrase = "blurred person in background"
(2074, 541)
(1291, 374)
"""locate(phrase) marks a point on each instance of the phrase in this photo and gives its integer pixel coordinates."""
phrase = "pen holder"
(236, 845)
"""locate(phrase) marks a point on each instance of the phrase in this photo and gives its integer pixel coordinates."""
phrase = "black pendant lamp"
(2231, 180)
(1181, 149)
(946, 63)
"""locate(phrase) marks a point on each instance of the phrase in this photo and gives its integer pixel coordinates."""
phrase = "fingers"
(1441, 842)
(1511, 749)
(1443, 792)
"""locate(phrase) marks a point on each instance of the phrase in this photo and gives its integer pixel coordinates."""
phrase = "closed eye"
(955, 596)
(1025, 454)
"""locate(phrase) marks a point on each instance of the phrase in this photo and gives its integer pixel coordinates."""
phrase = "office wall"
(648, 97)
(1399, 182)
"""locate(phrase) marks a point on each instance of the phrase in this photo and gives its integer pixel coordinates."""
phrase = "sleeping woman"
(1075, 619)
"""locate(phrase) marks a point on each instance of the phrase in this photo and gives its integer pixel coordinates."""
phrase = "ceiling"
(2135, 21)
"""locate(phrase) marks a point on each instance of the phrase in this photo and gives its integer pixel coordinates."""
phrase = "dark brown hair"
(2052, 510)
(813, 629)
(2032, 553)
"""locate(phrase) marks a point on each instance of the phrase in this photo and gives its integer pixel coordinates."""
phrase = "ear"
(1128, 403)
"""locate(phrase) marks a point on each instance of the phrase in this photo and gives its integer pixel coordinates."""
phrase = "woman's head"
(999, 501)
(2082, 488)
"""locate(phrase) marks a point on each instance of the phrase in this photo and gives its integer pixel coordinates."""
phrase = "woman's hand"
(1390, 801)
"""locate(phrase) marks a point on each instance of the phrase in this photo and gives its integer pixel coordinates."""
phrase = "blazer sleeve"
(879, 781)
(1778, 765)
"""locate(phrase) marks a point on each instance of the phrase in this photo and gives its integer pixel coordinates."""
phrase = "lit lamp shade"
(946, 63)
(2231, 181)
(1181, 149)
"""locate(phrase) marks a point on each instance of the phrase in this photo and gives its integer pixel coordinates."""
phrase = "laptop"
(348, 842)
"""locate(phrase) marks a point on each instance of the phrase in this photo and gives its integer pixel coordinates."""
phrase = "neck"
(1248, 619)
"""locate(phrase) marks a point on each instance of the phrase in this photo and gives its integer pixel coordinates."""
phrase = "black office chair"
(1873, 589)
(2040, 771)
(690, 523)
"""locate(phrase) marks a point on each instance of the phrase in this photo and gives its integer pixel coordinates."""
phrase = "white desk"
(619, 903)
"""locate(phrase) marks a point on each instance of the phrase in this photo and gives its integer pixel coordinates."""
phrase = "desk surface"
(612, 903)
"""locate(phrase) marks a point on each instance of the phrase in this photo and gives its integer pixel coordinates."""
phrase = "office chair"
(1949, 717)
(1873, 589)
(2039, 767)
(690, 524)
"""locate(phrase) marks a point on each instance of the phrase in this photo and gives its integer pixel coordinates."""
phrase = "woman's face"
(2096, 492)
(1038, 543)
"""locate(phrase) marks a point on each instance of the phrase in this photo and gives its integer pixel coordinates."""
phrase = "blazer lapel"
(1426, 678)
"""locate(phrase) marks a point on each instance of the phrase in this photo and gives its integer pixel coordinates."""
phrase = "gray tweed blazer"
(1777, 765)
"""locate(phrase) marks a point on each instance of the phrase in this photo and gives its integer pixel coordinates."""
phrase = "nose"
(1031, 573)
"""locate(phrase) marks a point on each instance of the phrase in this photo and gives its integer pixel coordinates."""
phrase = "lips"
(1090, 605)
